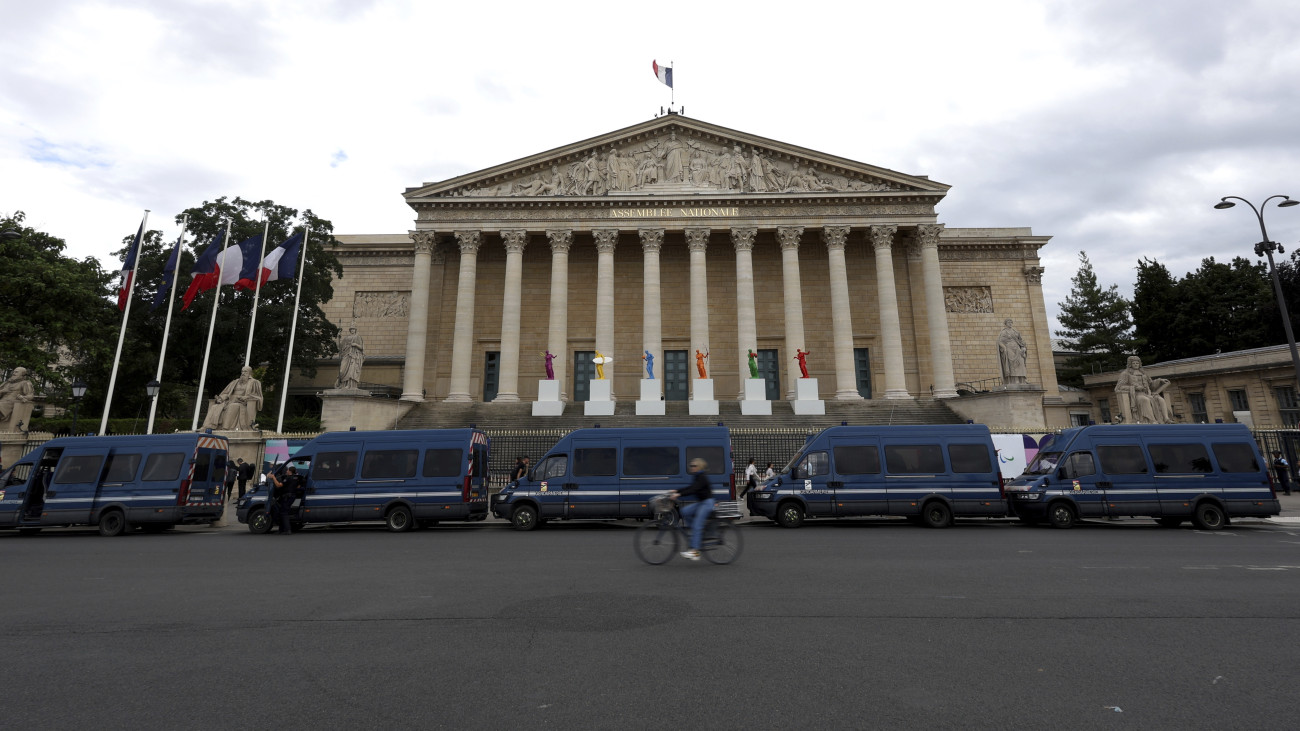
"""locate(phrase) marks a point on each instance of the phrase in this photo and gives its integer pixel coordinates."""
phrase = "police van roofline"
(395, 434)
(133, 439)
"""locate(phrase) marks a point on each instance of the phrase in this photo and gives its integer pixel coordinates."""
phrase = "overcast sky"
(1111, 125)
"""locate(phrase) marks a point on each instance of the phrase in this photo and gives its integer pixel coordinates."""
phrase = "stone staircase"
(442, 415)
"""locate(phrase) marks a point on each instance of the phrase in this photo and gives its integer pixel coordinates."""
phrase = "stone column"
(508, 382)
(606, 240)
(1041, 342)
(697, 240)
(462, 342)
(652, 240)
(891, 333)
(557, 339)
(793, 292)
(936, 312)
(746, 321)
(417, 324)
(846, 382)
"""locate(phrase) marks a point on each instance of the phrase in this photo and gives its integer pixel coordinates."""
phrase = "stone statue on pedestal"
(699, 364)
(1011, 356)
(649, 359)
(16, 396)
(236, 407)
(550, 368)
(1141, 398)
(801, 355)
(352, 354)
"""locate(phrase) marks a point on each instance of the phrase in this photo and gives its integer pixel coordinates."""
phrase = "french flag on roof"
(128, 268)
(283, 261)
(664, 73)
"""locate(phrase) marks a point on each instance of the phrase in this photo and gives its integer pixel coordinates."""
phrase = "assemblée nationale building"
(675, 236)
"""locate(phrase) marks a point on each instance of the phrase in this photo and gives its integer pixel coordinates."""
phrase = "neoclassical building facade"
(675, 236)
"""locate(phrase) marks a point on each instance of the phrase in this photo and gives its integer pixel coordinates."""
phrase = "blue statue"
(649, 365)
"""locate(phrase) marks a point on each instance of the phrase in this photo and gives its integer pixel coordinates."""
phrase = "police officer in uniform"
(285, 491)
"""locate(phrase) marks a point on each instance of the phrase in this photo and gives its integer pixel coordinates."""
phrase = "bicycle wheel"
(726, 547)
(655, 543)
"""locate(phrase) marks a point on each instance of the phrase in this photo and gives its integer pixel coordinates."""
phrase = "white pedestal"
(702, 402)
(548, 401)
(806, 401)
(598, 403)
(650, 404)
(755, 402)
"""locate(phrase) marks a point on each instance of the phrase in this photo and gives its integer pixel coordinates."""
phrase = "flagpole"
(171, 301)
(293, 328)
(257, 288)
(212, 322)
(121, 335)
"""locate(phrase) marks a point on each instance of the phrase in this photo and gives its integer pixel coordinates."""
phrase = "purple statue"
(550, 369)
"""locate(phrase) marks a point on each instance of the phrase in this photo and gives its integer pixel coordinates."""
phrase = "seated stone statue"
(16, 403)
(236, 407)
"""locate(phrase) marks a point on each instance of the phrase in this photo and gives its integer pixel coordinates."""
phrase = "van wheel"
(789, 515)
(1061, 515)
(399, 519)
(524, 517)
(259, 522)
(112, 523)
(936, 514)
(1169, 522)
(1209, 516)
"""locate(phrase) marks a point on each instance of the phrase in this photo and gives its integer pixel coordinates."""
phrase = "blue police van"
(928, 474)
(405, 478)
(116, 483)
(607, 474)
(1206, 473)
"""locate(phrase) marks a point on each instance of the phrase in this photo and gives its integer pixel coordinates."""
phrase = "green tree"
(1222, 307)
(1095, 324)
(315, 337)
(52, 308)
(1155, 311)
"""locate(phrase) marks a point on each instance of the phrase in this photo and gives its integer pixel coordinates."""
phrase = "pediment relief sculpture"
(675, 163)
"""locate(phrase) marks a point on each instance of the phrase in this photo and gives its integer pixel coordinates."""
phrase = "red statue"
(801, 355)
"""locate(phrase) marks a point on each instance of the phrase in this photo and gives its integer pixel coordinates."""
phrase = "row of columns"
(697, 240)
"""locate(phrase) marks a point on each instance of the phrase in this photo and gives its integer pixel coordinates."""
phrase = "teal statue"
(649, 359)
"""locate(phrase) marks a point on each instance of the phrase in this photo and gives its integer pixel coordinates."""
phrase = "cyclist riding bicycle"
(696, 512)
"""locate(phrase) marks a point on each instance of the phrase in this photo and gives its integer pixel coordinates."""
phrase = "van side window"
(162, 467)
(914, 459)
(552, 468)
(1079, 464)
(812, 465)
(714, 457)
(1122, 459)
(335, 466)
(1235, 457)
(388, 464)
(442, 462)
(970, 458)
(75, 470)
(595, 462)
(651, 461)
(1180, 458)
(18, 475)
(860, 460)
(121, 467)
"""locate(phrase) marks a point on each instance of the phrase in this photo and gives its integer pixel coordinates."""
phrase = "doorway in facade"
(583, 371)
(769, 369)
(862, 367)
(491, 374)
(676, 376)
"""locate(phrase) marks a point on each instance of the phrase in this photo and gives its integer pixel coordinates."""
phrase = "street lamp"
(1266, 248)
(11, 234)
(78, 392)
(151, 388)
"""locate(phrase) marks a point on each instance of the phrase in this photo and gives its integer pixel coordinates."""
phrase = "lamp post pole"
(1266, 248)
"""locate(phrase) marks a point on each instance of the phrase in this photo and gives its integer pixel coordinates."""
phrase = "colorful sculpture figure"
(753, 364)
(649, 365)
(600, 362)
(801, 355)
(550, 369)
(699, 364)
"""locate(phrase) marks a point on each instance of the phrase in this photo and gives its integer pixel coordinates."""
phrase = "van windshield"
(1044, 463)
(790, 465)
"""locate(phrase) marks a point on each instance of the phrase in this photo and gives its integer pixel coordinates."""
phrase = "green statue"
(753, 364)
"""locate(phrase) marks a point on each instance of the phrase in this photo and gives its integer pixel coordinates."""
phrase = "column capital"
(743, 238)
(468, 241)
(882, 237)
(515, 240)
(1034, 275)
(835, 237)
(561, 240)
(606, 239)
(789, 236)
(927, 235)
(697, 238)
(424, 241)
(652, 239)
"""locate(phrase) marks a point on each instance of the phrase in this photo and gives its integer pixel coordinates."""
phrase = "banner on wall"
(1011, 453)
(279, 451)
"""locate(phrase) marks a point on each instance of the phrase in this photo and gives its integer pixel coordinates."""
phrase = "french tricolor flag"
(204, 272)
(664, 73)
(283, 261)
(128, 268)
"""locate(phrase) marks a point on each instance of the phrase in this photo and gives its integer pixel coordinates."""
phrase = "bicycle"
(659, 540)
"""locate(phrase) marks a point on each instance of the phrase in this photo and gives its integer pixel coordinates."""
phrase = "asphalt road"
(844, 625)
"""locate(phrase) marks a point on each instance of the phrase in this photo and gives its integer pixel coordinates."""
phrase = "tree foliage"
(1095, 325)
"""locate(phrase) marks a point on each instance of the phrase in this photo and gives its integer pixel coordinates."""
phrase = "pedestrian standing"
(245, 474)
(285, 492)
(232, 474)
(521, 468)
(1282, 472)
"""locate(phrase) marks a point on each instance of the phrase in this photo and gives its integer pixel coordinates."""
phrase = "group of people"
(240, 472)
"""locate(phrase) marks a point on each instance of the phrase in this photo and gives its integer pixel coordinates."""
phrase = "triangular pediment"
(675, 155)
